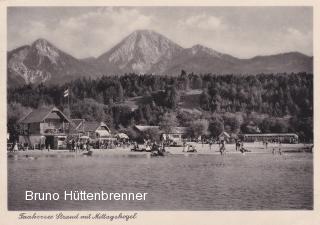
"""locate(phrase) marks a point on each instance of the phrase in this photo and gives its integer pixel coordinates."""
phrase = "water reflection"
(178, 182)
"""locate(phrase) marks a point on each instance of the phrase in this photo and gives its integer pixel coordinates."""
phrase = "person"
(15, 147)
(273, 151)
(280, 151)
(73, 145)
(184, 144)
(236, 145)
(210, 143)
(88, 145)
(148, 148)
(84, 146)
(266, 144)
(78, 145)
(222, 148)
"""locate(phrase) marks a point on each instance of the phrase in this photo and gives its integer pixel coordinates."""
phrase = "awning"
(84, 137)
(107, 139)
(103, 133)
(122, 136)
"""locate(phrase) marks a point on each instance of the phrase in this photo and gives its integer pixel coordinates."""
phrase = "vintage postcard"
(155, 113)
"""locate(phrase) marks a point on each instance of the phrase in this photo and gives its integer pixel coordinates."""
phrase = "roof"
(179, 130)
(271, 135)
(122, 135)
(144, 128)
(39, 115)
(77, 122)
(93, 126)
(224, 134)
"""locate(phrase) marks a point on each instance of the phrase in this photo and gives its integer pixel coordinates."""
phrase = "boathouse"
(44, 127)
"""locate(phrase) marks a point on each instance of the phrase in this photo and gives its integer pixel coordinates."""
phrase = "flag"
(66, 93)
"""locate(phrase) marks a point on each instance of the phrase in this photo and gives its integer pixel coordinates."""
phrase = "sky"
(243, 32)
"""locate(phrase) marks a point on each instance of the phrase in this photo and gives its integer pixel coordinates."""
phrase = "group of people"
(76, 145)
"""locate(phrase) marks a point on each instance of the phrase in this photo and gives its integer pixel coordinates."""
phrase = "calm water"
(178, 182)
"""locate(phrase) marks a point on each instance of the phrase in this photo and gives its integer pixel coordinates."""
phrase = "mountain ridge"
(142, 52)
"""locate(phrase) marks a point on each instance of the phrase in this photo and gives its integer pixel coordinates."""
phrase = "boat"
(161, 154)
(137, 149)
(158, 151)
(88, 153)
(191, 148)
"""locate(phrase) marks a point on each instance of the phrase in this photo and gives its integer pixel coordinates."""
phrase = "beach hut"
(96, 130)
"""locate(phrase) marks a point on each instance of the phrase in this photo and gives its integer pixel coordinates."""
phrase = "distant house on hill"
(44, 127)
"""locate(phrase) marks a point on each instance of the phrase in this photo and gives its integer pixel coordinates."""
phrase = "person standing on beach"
(73, 145)
(15, 147)
(222, 148)
(184, 145)
(238, 145)
(280, 151)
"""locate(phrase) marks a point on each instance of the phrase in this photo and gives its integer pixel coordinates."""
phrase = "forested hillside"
(234, 103)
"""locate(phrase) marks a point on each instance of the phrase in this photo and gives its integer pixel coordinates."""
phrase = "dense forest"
(234, 103)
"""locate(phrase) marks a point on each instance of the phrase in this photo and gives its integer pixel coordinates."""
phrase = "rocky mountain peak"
(202, 49)
(46, 49)
(139, 51)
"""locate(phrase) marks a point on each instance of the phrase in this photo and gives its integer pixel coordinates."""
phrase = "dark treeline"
(236, 103)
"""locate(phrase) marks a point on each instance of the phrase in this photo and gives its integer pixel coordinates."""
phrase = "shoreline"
(254, 148)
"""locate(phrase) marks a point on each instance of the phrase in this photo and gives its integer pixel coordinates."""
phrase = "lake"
(177, 182)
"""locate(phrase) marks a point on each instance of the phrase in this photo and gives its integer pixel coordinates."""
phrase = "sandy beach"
(254, 148)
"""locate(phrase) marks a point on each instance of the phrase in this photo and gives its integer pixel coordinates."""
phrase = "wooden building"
(176, 134)
(92, 129)
(44, 127)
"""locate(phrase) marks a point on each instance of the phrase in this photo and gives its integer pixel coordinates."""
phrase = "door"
(49, 142)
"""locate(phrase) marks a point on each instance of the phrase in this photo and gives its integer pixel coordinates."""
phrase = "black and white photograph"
(160, 108)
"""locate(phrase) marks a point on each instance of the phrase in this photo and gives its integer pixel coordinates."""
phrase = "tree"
(215, 128)
(205, 100)
(172, 97)
(198, 128)
(232, 122)
(167, 122)
(15, 112)
(152, 134)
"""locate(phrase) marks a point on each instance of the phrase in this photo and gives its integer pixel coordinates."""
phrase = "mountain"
(291, 62)
(43, 62)
(142, 52)
(146, 51)
(200, 59)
